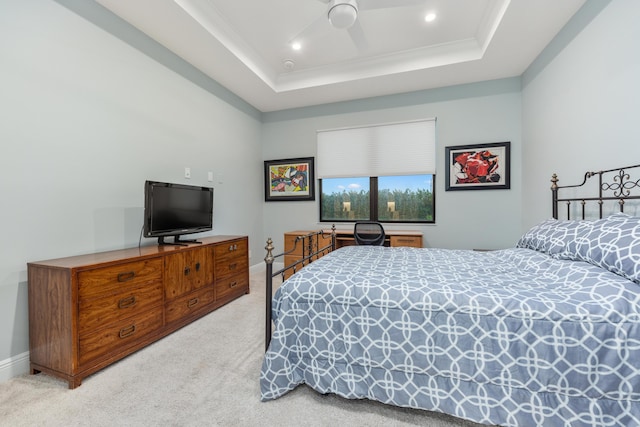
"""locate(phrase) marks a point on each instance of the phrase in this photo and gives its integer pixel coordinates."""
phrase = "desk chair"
(368, 233)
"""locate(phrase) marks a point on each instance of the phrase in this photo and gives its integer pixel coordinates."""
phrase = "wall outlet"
(187, 173)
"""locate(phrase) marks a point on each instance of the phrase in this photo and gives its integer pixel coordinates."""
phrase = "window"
(383, 172)
(406, 198)
(345, 199)
(395, 199)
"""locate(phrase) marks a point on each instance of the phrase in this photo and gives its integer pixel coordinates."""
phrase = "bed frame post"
(307, 258)
(333, 237)
(600, 195)
(554, 195)
(269, 296)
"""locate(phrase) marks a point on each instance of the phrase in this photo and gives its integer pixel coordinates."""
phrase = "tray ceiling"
(246, 45)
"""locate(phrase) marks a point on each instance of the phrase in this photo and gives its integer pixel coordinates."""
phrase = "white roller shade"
(382, 150)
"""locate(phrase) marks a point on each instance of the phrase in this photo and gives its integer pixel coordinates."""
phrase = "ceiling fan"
(343, 15)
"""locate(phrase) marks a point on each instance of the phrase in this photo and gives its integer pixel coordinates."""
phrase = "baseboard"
(14, 366)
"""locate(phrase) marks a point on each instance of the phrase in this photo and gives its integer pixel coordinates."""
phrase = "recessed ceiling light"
(430, 17)
(296, 46)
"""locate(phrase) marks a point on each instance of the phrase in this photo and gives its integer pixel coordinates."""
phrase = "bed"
(544, 333)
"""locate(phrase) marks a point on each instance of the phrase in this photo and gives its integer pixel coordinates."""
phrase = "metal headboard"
(313, 245)
(619, 185)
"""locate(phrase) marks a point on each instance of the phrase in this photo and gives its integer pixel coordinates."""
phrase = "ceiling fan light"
(288, 64)
(343, 15)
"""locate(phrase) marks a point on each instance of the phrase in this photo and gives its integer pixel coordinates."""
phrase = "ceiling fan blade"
(357, 35)
(384, 4)
(320, 25)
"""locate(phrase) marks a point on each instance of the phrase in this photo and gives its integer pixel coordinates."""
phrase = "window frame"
(373, 205)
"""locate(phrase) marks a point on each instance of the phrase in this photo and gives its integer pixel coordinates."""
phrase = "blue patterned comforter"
(511, 337)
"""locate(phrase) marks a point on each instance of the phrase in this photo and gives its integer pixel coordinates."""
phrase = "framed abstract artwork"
(478, 167)
(289, 179)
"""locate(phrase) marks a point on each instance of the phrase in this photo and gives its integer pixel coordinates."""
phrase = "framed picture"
(478, 167)
(289, 179)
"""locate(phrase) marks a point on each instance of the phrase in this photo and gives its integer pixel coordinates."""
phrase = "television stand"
(176, 241)
(89, 311)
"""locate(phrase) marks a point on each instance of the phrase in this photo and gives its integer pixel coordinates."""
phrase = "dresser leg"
(75, 382)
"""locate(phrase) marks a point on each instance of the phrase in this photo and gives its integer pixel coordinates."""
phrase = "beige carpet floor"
(205, 374)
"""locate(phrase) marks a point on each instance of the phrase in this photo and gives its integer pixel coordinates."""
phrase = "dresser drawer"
(229, 268)
(290, 241)
(108, 280)
(97, 312)
(410, 241)
(231, 250)
(232, 285)
(184, 306)
(290, 259)
(302, 246)
(119, 335)
(231, 259)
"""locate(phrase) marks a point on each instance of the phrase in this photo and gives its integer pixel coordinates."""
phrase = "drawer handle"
(127, 332)
(233, 248)
(197, 266)
(187, 270)
(192, 302)
(127, 302)
(233, 284)
(233, 266)
(123, 277)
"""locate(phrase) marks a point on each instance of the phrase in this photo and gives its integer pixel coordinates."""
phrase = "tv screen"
(176, 209)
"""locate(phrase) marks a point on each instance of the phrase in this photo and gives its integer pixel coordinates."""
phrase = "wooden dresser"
(88, 311)
(343, 238)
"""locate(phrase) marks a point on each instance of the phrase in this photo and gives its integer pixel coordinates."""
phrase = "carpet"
(205, 374)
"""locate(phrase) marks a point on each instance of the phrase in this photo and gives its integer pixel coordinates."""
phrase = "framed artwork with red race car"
(478, 167)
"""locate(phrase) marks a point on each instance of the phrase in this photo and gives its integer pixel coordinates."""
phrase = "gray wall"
(86, 119)
(581, 101)
(470, 114)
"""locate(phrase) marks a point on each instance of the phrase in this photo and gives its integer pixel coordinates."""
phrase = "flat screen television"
(175, 210)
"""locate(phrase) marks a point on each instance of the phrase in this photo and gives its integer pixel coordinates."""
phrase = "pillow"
(612, 243)
(618, 217)
(552, 236)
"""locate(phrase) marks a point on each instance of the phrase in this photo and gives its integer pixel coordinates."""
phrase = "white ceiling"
(243, 44)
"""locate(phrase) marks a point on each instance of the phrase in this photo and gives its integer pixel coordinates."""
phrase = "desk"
(393, 238)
